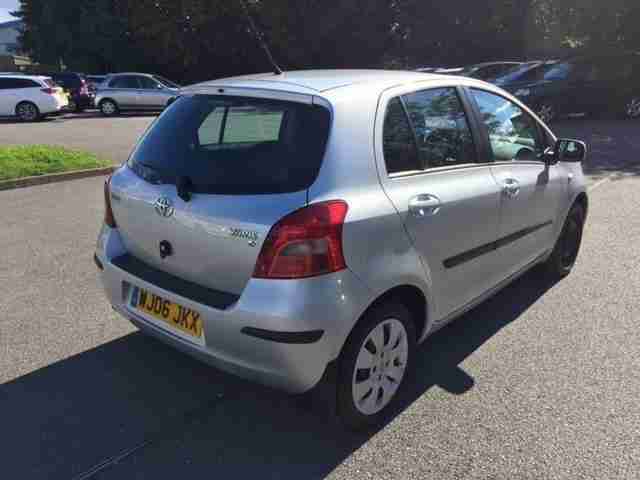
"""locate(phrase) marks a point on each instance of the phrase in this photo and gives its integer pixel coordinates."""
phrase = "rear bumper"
(51, 105)
(278, 333)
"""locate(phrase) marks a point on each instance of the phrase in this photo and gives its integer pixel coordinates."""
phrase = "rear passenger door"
(531, 189)
(124, 90)
(449, 202)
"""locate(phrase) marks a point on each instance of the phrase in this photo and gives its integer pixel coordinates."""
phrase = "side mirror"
(566, 150)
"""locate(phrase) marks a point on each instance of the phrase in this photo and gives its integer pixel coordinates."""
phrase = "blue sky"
(7, 6)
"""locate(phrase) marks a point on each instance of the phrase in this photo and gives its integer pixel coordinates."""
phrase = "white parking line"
(599, 183)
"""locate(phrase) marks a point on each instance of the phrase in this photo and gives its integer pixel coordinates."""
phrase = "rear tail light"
(109, 219)
(49, 90)
(84, 90)
(305, 243)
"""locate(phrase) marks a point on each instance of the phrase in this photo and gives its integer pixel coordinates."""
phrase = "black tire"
(567, 247)
(28, 112)
(348, 412)
(109, 108)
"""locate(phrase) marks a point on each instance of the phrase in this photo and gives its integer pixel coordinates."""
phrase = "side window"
(124, 82)
(5, 84)
(147, 83)
(513, 134)
(441, 127)
(25, 83)
(400, 154)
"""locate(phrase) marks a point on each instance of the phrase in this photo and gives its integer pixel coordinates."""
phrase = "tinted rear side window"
(124, 82)
(25, 83)
(400, 151)
(235, 145)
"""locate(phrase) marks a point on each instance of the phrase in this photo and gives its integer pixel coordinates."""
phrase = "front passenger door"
(152, 95)
(531, 189)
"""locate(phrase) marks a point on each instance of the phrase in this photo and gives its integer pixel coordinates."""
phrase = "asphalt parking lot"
(539, 382)
(109, 138)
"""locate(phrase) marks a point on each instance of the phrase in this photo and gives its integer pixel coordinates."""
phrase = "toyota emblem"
(164, 207)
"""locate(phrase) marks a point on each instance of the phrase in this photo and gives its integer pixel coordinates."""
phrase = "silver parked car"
(134, 92)
(283, 227)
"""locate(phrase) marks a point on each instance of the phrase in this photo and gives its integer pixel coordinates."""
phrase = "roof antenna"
(260, 38)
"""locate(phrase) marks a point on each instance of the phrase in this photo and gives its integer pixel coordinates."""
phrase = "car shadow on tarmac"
(133, 408)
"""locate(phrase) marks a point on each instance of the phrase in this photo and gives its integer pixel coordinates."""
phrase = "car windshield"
(234, 145)
(166, 82)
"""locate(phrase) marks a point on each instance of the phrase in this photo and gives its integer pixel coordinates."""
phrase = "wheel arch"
(23, 101)
(110, 99)
(412, 297)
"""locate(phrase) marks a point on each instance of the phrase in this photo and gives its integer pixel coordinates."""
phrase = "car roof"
(27, 77)
(313, 82)
(127, 73)
(489, 64)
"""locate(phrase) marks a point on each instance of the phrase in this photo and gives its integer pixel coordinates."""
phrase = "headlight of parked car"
(523, 92)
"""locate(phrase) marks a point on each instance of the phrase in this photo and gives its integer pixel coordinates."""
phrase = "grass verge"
(32, 160)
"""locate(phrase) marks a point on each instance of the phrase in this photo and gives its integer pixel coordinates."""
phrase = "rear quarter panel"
(376, 246)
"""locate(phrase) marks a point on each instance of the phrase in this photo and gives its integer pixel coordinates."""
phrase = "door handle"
(424, 205)
(511, 187)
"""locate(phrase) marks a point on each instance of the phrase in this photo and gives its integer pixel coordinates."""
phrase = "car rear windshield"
(234, 145)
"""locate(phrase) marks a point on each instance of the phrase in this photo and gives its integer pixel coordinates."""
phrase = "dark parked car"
(488, 70)
(524, 74)
(602, 84)
(93, 81)
(75, 84)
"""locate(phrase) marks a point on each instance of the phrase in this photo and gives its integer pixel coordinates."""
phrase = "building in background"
(9, 33)
(12, 59)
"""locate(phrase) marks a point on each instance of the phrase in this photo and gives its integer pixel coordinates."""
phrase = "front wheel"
(565, 252)
(375, 364)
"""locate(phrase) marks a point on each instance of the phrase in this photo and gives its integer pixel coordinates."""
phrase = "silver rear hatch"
(210, 178)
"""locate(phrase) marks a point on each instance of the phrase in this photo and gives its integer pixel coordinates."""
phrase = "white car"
(30, 97)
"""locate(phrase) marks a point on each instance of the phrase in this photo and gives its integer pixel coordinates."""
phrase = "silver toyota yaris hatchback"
(276, 226)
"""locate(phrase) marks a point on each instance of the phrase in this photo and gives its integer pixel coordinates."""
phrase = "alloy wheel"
(108, 108)
(380, 366)
(27, 112)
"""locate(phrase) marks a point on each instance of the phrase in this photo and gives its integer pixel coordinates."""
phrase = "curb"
(54, 178)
